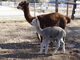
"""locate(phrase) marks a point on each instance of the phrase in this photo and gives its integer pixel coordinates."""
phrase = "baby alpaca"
(50, 33)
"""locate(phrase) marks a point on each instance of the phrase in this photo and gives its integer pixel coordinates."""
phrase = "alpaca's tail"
(68, 19)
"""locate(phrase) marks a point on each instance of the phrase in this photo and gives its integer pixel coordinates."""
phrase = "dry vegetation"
(18, 42)
(18, 39)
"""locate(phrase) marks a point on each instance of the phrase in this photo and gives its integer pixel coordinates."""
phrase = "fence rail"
(65, 9)
(8, 3)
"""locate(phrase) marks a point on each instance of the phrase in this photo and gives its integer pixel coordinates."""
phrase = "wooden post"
(67, 9)
(34, 7)
(73, 12)
(56, 6)
(14, 2)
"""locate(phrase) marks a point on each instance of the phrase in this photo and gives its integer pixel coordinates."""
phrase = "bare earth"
(18, 41)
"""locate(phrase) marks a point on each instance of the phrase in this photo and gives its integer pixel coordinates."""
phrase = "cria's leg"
(45, 44)
(63, 45)
(41, 47)
(46, 48)
(57, 46)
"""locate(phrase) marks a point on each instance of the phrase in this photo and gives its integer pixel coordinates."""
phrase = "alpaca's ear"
(27, 4)
(25, 1)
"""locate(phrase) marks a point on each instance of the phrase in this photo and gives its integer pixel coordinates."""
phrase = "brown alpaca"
(46, 20)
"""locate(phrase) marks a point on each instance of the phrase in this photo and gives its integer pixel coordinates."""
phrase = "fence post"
(14, 2)
(56, 6)
(67, 8)
(73, 12)
(34, 7)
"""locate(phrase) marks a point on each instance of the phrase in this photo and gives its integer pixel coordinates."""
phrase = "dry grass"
(18, 41)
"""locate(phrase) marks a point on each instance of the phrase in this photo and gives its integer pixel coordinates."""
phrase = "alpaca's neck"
(27, 14)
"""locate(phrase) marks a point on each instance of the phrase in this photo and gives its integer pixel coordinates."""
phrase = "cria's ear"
(37, 20)
(36, 17)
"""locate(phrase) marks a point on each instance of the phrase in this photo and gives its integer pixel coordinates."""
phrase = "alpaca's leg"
(62, 23)
(41, 38)
(63, 45)
(57, 46)
(38, 36)
(46, 47)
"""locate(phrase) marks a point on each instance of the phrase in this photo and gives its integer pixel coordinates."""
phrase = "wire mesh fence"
(43, 8)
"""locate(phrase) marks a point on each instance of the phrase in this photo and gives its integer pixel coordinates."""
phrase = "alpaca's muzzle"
(19, 7)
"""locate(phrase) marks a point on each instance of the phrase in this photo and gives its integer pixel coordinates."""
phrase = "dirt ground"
(18, 41)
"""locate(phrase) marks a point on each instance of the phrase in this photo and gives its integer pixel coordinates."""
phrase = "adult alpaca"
(46, 20)
(50, 33)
